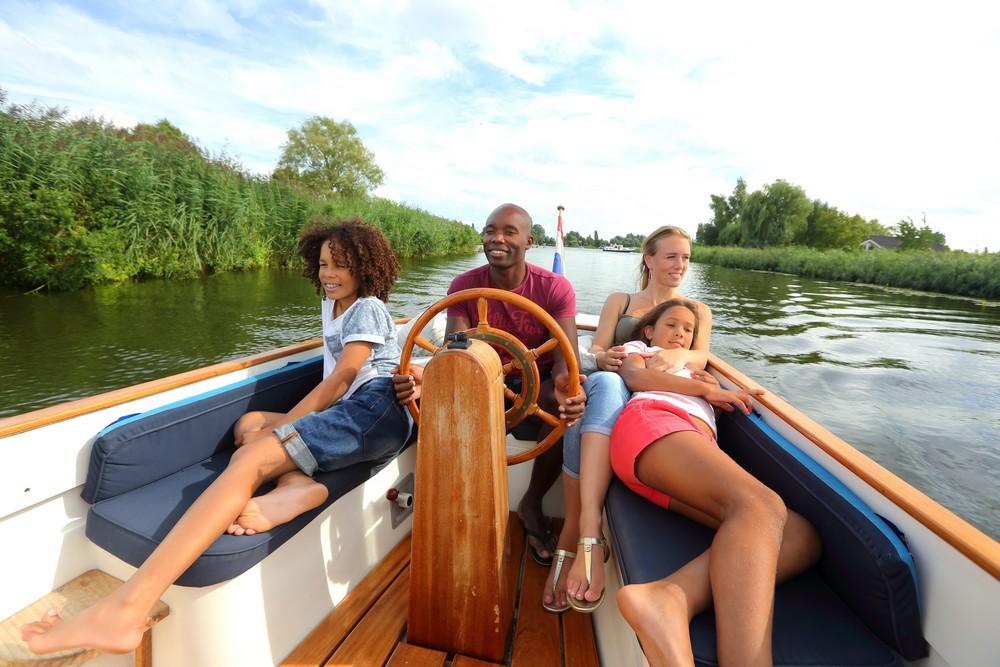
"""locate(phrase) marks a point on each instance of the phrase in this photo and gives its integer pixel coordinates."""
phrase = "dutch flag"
(557, 261)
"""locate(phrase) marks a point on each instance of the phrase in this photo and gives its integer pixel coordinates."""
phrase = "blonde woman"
(666, 254)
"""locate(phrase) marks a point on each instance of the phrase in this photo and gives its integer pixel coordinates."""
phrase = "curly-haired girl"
(351, 416)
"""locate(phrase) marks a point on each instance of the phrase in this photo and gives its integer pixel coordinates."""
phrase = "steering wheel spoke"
(547, 417)
(544, 348)
(426, 344)
(482, 308)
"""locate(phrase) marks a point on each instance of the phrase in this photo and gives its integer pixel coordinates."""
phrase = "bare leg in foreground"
(757, 543)
(116, 623)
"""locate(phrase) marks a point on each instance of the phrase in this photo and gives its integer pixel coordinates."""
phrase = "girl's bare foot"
(108, 626)
(658, 612)
(576, 584)
(288, 500)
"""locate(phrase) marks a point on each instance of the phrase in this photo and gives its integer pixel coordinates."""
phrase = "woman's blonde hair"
(649, 248)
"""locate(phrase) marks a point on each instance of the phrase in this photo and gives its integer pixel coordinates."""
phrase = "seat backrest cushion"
(140, 449)
(864, 560)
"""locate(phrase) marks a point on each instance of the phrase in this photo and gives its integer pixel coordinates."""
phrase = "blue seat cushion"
(138, 449)
(861, 599)
(147, 469)
(812, 625)
(132, 524)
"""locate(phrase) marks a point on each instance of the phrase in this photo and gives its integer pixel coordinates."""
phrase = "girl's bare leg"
(295, 494)
(738, 572)
(253, 423)
(568, 536)
(117, 622)
(595, 476)
(661, 611)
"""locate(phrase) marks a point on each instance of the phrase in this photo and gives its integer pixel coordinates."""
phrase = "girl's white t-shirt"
(693, 405)
(368, 320)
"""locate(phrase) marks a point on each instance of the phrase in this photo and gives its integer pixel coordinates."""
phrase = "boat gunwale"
(955, 531)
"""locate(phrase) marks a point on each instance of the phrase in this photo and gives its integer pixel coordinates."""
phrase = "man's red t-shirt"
(552, 292)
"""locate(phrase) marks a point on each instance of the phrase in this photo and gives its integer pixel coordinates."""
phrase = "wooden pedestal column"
(458, 602)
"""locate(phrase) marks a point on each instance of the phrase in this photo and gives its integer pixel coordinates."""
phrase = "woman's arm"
(333, 386)
(609, 357)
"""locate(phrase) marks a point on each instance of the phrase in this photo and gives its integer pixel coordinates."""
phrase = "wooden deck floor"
(368, 629)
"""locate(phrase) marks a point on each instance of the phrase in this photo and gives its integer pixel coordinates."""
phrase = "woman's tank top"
(625, 328)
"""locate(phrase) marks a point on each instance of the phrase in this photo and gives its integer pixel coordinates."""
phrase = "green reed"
(952, 272)
(84, 202)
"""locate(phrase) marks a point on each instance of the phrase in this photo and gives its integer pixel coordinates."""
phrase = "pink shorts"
(641, 423)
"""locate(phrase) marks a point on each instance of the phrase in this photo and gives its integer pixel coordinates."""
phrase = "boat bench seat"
(146, 470)
(858, 606)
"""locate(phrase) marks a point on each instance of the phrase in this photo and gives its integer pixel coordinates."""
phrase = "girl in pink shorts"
(663, 448)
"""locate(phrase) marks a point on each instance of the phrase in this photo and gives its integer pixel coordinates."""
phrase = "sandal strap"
(560, 557)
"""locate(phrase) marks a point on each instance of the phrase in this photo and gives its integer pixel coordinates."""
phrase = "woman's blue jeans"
(606, 398)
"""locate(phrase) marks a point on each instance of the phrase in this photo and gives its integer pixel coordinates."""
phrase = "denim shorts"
(607, 395)
(369, 425)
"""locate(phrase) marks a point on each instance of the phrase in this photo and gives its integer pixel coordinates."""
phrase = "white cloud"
(631, 115)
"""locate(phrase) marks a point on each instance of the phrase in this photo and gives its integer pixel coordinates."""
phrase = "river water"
(911, 379)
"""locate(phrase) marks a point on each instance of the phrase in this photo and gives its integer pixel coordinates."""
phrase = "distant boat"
(616, 247)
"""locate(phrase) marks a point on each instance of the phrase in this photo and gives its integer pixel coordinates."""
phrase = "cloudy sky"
(629, 114)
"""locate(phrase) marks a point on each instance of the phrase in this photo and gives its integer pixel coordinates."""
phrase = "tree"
(328, 157)
(573, 239)
(725, 212)
(775, 215)
(538, 233)
(912, 237)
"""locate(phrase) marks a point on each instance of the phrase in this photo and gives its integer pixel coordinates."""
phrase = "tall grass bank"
(966, 274)
(84, 202)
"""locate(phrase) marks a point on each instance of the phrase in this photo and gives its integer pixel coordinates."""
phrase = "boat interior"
(420, 560)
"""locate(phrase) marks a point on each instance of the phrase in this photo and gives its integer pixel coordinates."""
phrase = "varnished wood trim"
(372, 641)
(408, 655)
(64, 411)
(973, 543)
(331, 631)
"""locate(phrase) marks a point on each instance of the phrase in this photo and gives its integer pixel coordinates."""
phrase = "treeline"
(781, 213)
(84, 202)
(574, 239)
(967, 274)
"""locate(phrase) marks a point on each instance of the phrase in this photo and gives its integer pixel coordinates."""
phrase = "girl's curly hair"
(656, 311)
(357, 244)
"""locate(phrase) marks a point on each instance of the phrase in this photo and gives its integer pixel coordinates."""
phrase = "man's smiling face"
(506, 237)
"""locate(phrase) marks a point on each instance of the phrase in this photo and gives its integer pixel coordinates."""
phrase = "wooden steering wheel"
(525, 403)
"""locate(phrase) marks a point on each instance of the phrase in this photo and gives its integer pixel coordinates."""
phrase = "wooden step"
(71, 598)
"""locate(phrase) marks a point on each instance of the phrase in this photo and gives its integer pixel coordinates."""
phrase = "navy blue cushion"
(146, 470)
(862, 591)
(132, 524)
(142, 448)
